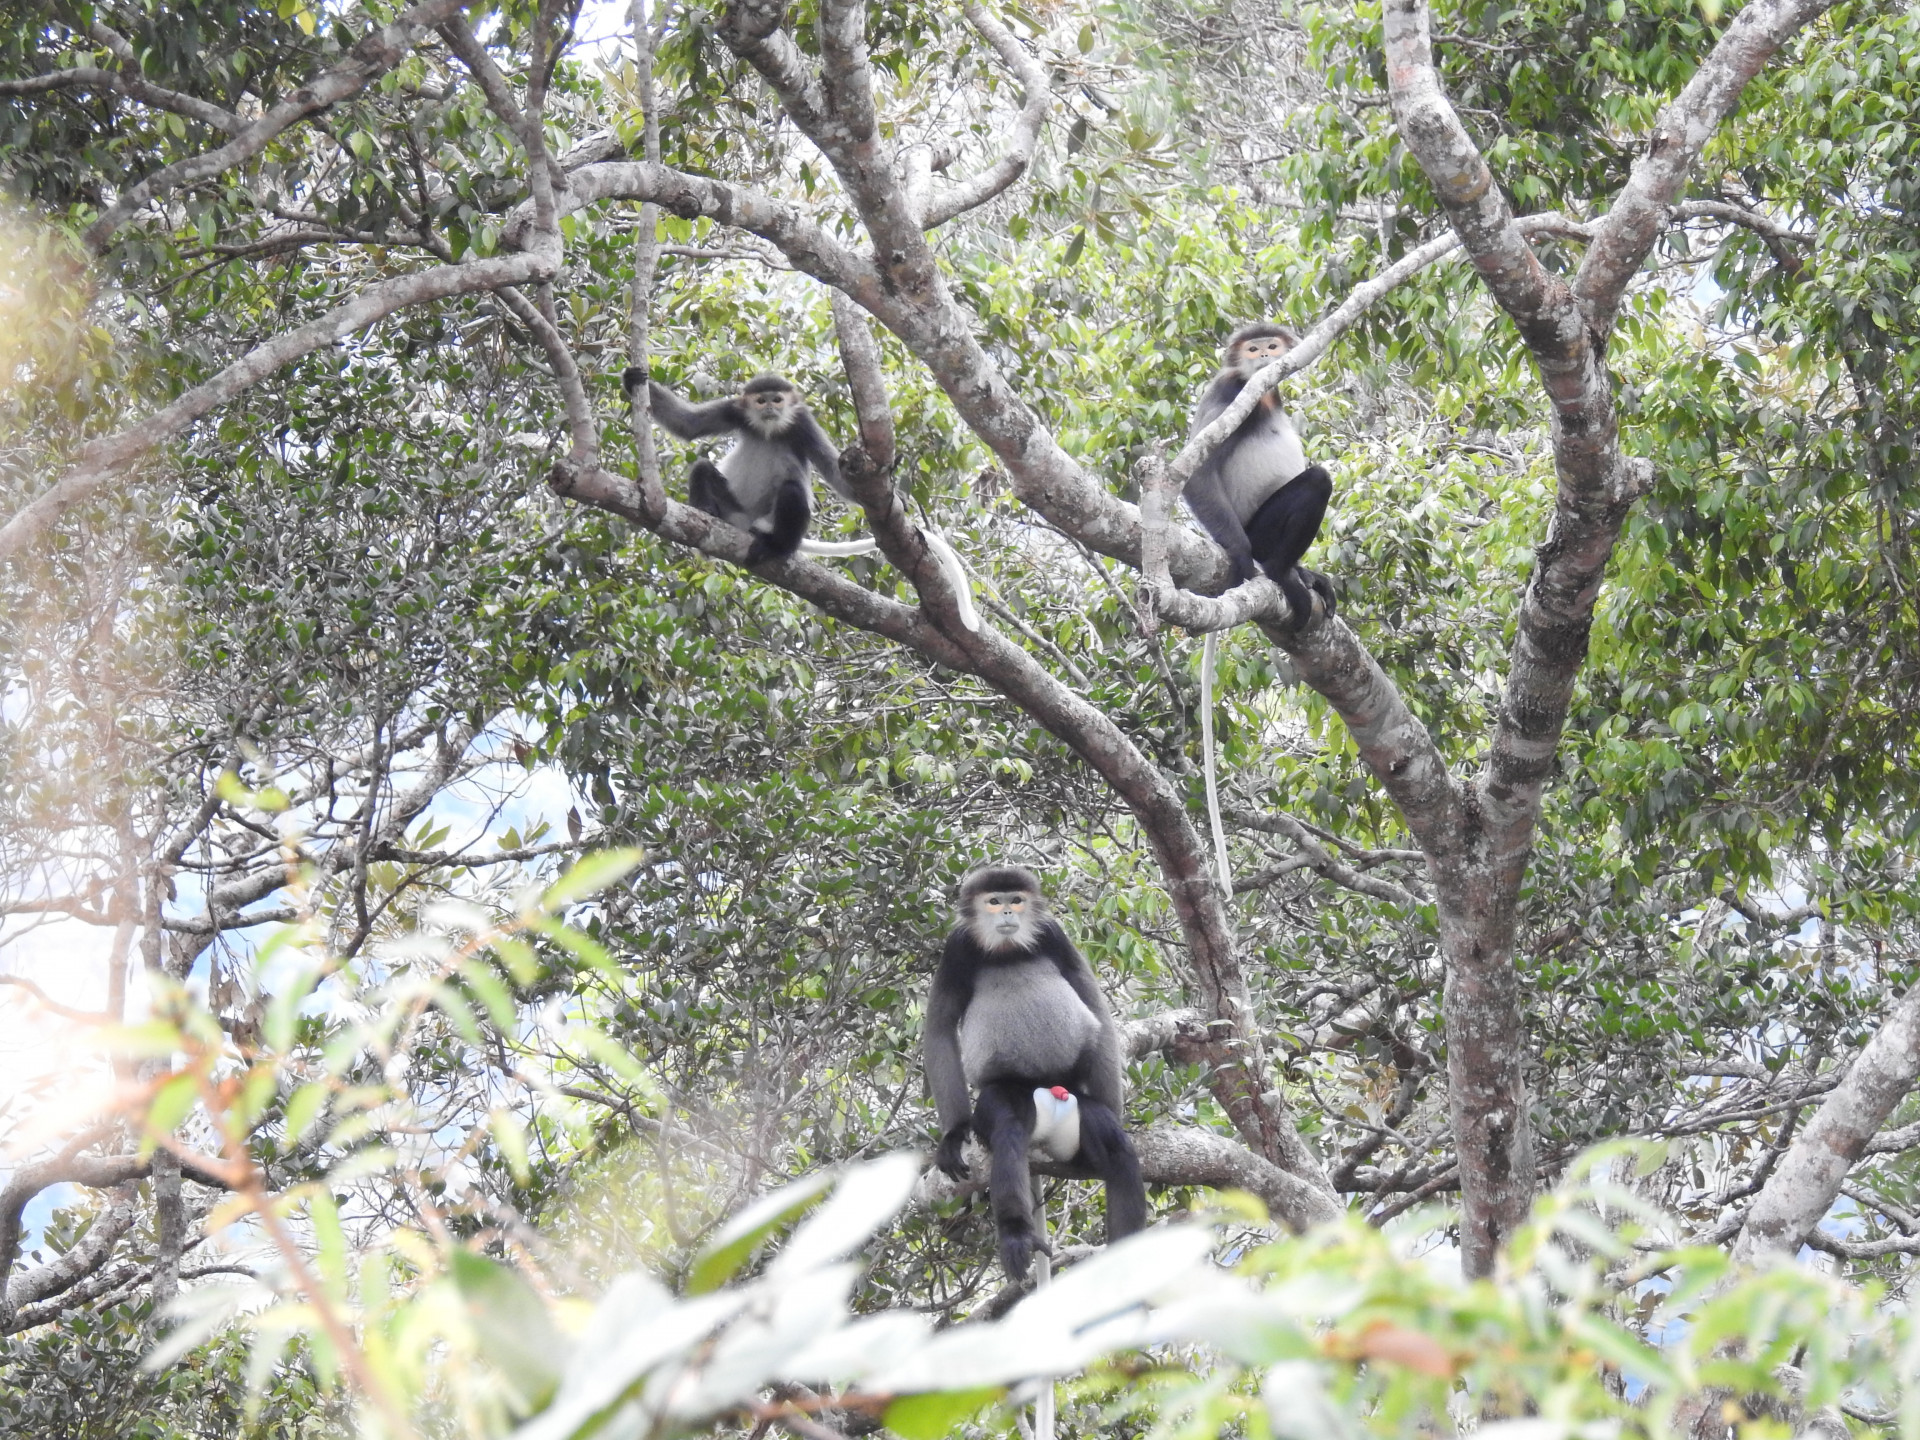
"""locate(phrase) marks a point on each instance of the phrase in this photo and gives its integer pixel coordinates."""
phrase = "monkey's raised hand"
(950, 1157)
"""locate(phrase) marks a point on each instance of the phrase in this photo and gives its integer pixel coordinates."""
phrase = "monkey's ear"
(632, 378)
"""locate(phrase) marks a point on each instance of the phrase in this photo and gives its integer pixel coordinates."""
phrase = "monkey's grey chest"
(1024, 1021)
(755, 467)
(1264, 455)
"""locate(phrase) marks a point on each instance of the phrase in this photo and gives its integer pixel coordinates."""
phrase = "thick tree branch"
(1174, 1155)
(65, 1271)
(1803, 1186)
(70, 1167)
(1639, 213)
(1035, 98)
(104, 459)
(1478, 871)
(1317, 857)
(789, 228)
(1776, 234)
(372, 57)
(129, 84)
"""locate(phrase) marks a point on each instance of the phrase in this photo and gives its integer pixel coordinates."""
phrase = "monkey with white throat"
(1015, 1015)
(1256, 495)
(761, 484)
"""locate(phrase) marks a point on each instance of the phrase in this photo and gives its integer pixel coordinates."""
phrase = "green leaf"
(737, 1240)
(512, 1324)
(518, 957)
(283, 1011)
(485, 984)
(152, 1040)
(171, 1102)
(304, 1109)
(929, 1417)
(592, 873)
(511, 1136)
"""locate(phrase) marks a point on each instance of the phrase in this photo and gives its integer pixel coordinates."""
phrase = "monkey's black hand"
(632, 378)
(949, 1157)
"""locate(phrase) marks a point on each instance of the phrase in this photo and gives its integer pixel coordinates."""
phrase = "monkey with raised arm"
(1018, 1035)
(761, 484)
(1256, 495)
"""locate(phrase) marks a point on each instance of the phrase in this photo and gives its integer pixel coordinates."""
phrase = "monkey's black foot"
(1322, 586)
(761, 549)
(1017, 1249)
(632, 378)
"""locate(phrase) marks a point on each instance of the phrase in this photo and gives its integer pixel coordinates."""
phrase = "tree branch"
(1803, 1186)
(1639, 213)
(372, 57)
(131, 85)
(1035, 99)
(102, 460)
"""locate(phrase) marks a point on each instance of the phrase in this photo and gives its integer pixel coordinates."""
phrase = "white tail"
(948, 557)
(839, 549)
(1209, 657)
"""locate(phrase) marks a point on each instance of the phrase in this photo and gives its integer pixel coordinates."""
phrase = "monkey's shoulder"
(1222, 391)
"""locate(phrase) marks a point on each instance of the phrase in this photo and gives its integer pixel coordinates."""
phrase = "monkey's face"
(1247, 356)
(771, 412)
(1005, 919)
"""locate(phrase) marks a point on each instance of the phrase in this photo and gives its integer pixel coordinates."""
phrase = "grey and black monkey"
(1015, 1009)
(1256, 495)
(761, 484)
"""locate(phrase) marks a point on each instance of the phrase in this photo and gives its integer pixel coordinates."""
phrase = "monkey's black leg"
(780, 533)
(707, 490)
(1003, 1119)
(1107, 1150)
(1284, 527)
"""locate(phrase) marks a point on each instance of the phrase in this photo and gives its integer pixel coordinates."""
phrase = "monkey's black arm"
(1102, 1081)
(1205, 491)
(694, 422)
(946, 1076)
(819, 451)
(1206, 496)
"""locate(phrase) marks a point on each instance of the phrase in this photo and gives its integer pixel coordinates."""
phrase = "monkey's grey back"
(755, 467)
(1258, 458)
(1024, 1022)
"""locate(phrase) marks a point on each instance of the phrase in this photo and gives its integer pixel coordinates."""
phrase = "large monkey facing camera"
(1015, 1011)
(1256, 495)
(761, 484)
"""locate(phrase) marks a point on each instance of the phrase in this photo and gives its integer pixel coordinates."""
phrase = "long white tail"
(1210, 657)
(948, 557)
(839, 549)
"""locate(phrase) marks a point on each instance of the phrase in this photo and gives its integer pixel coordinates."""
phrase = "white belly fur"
(1263, 461)
(1024, 1021)
(754, 468)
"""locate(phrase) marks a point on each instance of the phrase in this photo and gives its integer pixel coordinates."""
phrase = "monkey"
(1015, 1013)
(760, 485)
(1256, 495)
